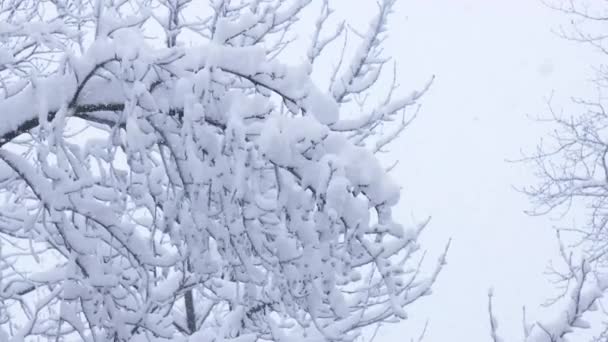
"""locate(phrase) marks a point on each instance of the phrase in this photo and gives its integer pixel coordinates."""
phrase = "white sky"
(496, 62)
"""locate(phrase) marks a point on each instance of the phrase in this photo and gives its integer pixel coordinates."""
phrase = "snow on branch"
(582, 289)
(164, 175)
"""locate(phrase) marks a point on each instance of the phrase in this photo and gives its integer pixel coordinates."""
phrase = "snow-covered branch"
(165, 175)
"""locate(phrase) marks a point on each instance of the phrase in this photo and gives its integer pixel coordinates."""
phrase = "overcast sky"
(496, 63)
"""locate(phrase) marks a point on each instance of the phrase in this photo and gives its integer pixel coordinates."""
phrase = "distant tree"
(572, 168)
(164, 176)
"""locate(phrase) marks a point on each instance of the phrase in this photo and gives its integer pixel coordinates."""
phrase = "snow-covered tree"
(572, 168)
(166, 174)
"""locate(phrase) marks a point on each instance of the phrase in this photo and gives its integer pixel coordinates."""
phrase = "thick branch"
(88, 113)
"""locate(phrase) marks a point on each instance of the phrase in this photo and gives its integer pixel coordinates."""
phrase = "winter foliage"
(167, 173)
